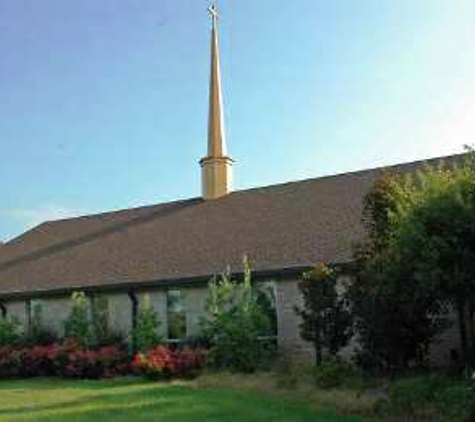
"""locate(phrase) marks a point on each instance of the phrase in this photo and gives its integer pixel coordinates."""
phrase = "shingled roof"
(282, 227)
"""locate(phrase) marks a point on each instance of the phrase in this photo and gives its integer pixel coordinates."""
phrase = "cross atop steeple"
(213, 11)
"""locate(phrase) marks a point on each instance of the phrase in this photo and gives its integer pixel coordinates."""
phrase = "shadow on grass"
(149, 394)
(42, 383)
(134, 400)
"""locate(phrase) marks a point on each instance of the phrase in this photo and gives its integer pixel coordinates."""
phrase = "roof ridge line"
(354, 172)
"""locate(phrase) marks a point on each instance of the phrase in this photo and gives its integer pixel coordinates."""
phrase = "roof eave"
(277, 274)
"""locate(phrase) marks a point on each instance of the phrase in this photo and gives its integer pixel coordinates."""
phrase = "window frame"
(182, 296)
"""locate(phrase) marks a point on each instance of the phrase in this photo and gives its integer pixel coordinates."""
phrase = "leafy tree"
(10, 331)
(78, 325)
(435, 232)
(145, 332)
(234, 324)
(326, 320)
(396, 317)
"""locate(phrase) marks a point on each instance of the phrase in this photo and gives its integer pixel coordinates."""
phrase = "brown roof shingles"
(290, 225)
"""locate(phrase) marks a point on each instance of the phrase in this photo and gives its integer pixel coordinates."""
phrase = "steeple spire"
(216, 134)
(216, 166)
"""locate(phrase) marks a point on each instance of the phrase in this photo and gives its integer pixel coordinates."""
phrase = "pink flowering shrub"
(105, 362)
(10, 362)
(163, 363)
(65, 360)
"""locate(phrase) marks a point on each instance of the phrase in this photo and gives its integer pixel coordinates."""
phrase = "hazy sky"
(103, 104)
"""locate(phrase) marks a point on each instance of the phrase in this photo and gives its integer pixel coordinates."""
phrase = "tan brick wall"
(290, 344)
(294, 348)
(120, 313)
(195, 305)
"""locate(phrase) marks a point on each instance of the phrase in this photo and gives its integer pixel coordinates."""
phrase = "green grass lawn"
(133, 399)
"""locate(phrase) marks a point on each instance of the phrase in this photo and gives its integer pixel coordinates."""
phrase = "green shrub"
(457, 403)
(291, 375)
(336, 375)
(10, 331)
(144, 334)
(234, 324)
(432, 396)
(415, 394)
(78, 326)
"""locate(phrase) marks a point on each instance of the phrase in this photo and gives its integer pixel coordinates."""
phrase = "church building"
(168, 252)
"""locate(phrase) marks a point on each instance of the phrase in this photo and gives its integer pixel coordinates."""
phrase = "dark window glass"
(176, 315)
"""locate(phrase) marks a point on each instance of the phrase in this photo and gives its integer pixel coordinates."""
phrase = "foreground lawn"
(134, 399)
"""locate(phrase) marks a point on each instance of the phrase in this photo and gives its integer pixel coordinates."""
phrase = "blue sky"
(103, 105)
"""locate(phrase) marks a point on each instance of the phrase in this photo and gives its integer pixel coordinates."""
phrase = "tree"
(396, 317)
(235, 322)
(78, 325)
(326, 320)
(145, 332)
(10, 331)
(436, 234)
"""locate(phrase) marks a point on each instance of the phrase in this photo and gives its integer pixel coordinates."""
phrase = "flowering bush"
(105, 362)
(188, 362)
(40, 360)
(164, 363)
(10, 362)
(65, 360)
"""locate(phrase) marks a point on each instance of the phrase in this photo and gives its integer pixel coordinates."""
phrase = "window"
(34, 316)
(266, 299)
(176, 315)
(100, 316)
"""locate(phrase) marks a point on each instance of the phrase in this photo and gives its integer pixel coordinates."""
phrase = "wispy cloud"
(30, 217)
